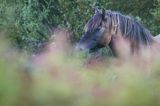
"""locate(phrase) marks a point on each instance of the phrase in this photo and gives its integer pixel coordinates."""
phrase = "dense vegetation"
(57, 76)
(29, 23)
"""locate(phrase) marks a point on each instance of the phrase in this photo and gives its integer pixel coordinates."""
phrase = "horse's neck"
(119, 46)
(122, 47)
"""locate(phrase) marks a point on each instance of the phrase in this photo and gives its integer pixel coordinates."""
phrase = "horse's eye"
(99, 28)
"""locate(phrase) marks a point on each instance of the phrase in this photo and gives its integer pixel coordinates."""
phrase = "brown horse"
(110, 28)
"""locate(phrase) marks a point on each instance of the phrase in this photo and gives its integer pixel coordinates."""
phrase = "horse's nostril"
(79, 48)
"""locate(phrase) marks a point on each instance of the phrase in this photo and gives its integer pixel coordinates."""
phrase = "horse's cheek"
(108, 39)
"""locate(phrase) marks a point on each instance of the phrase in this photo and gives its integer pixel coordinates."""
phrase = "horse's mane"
(119, 24)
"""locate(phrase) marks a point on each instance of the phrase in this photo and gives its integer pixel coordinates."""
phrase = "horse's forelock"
(94, 22)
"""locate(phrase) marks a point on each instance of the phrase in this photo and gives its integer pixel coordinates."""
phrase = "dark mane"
(134, 30)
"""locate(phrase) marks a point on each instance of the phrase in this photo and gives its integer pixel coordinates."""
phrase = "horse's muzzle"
(80, 48)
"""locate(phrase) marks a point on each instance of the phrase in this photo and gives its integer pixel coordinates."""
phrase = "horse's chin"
(93, 50)
(96, 48)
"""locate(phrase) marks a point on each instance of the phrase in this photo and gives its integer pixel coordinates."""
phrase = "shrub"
(30, 23)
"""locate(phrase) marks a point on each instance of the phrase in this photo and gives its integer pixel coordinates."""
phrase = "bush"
(30, 23)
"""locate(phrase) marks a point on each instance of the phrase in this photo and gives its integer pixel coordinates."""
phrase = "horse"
(108, 27)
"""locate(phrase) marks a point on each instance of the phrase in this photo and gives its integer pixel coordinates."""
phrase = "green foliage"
(29, 23)
(156, 13)
(33, 33)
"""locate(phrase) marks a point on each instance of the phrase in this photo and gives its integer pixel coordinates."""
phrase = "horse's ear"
(103, 14)
(96, 10)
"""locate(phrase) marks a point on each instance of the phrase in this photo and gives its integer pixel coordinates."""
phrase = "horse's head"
(109, 27)
(96, 35)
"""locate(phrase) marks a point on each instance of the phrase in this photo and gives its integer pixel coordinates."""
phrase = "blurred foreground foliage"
(29, 23)
(58, 78)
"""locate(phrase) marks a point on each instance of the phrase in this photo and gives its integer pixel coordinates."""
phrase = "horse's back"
(157, 38)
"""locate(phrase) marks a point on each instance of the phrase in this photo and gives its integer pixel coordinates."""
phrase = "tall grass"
(60, 77)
